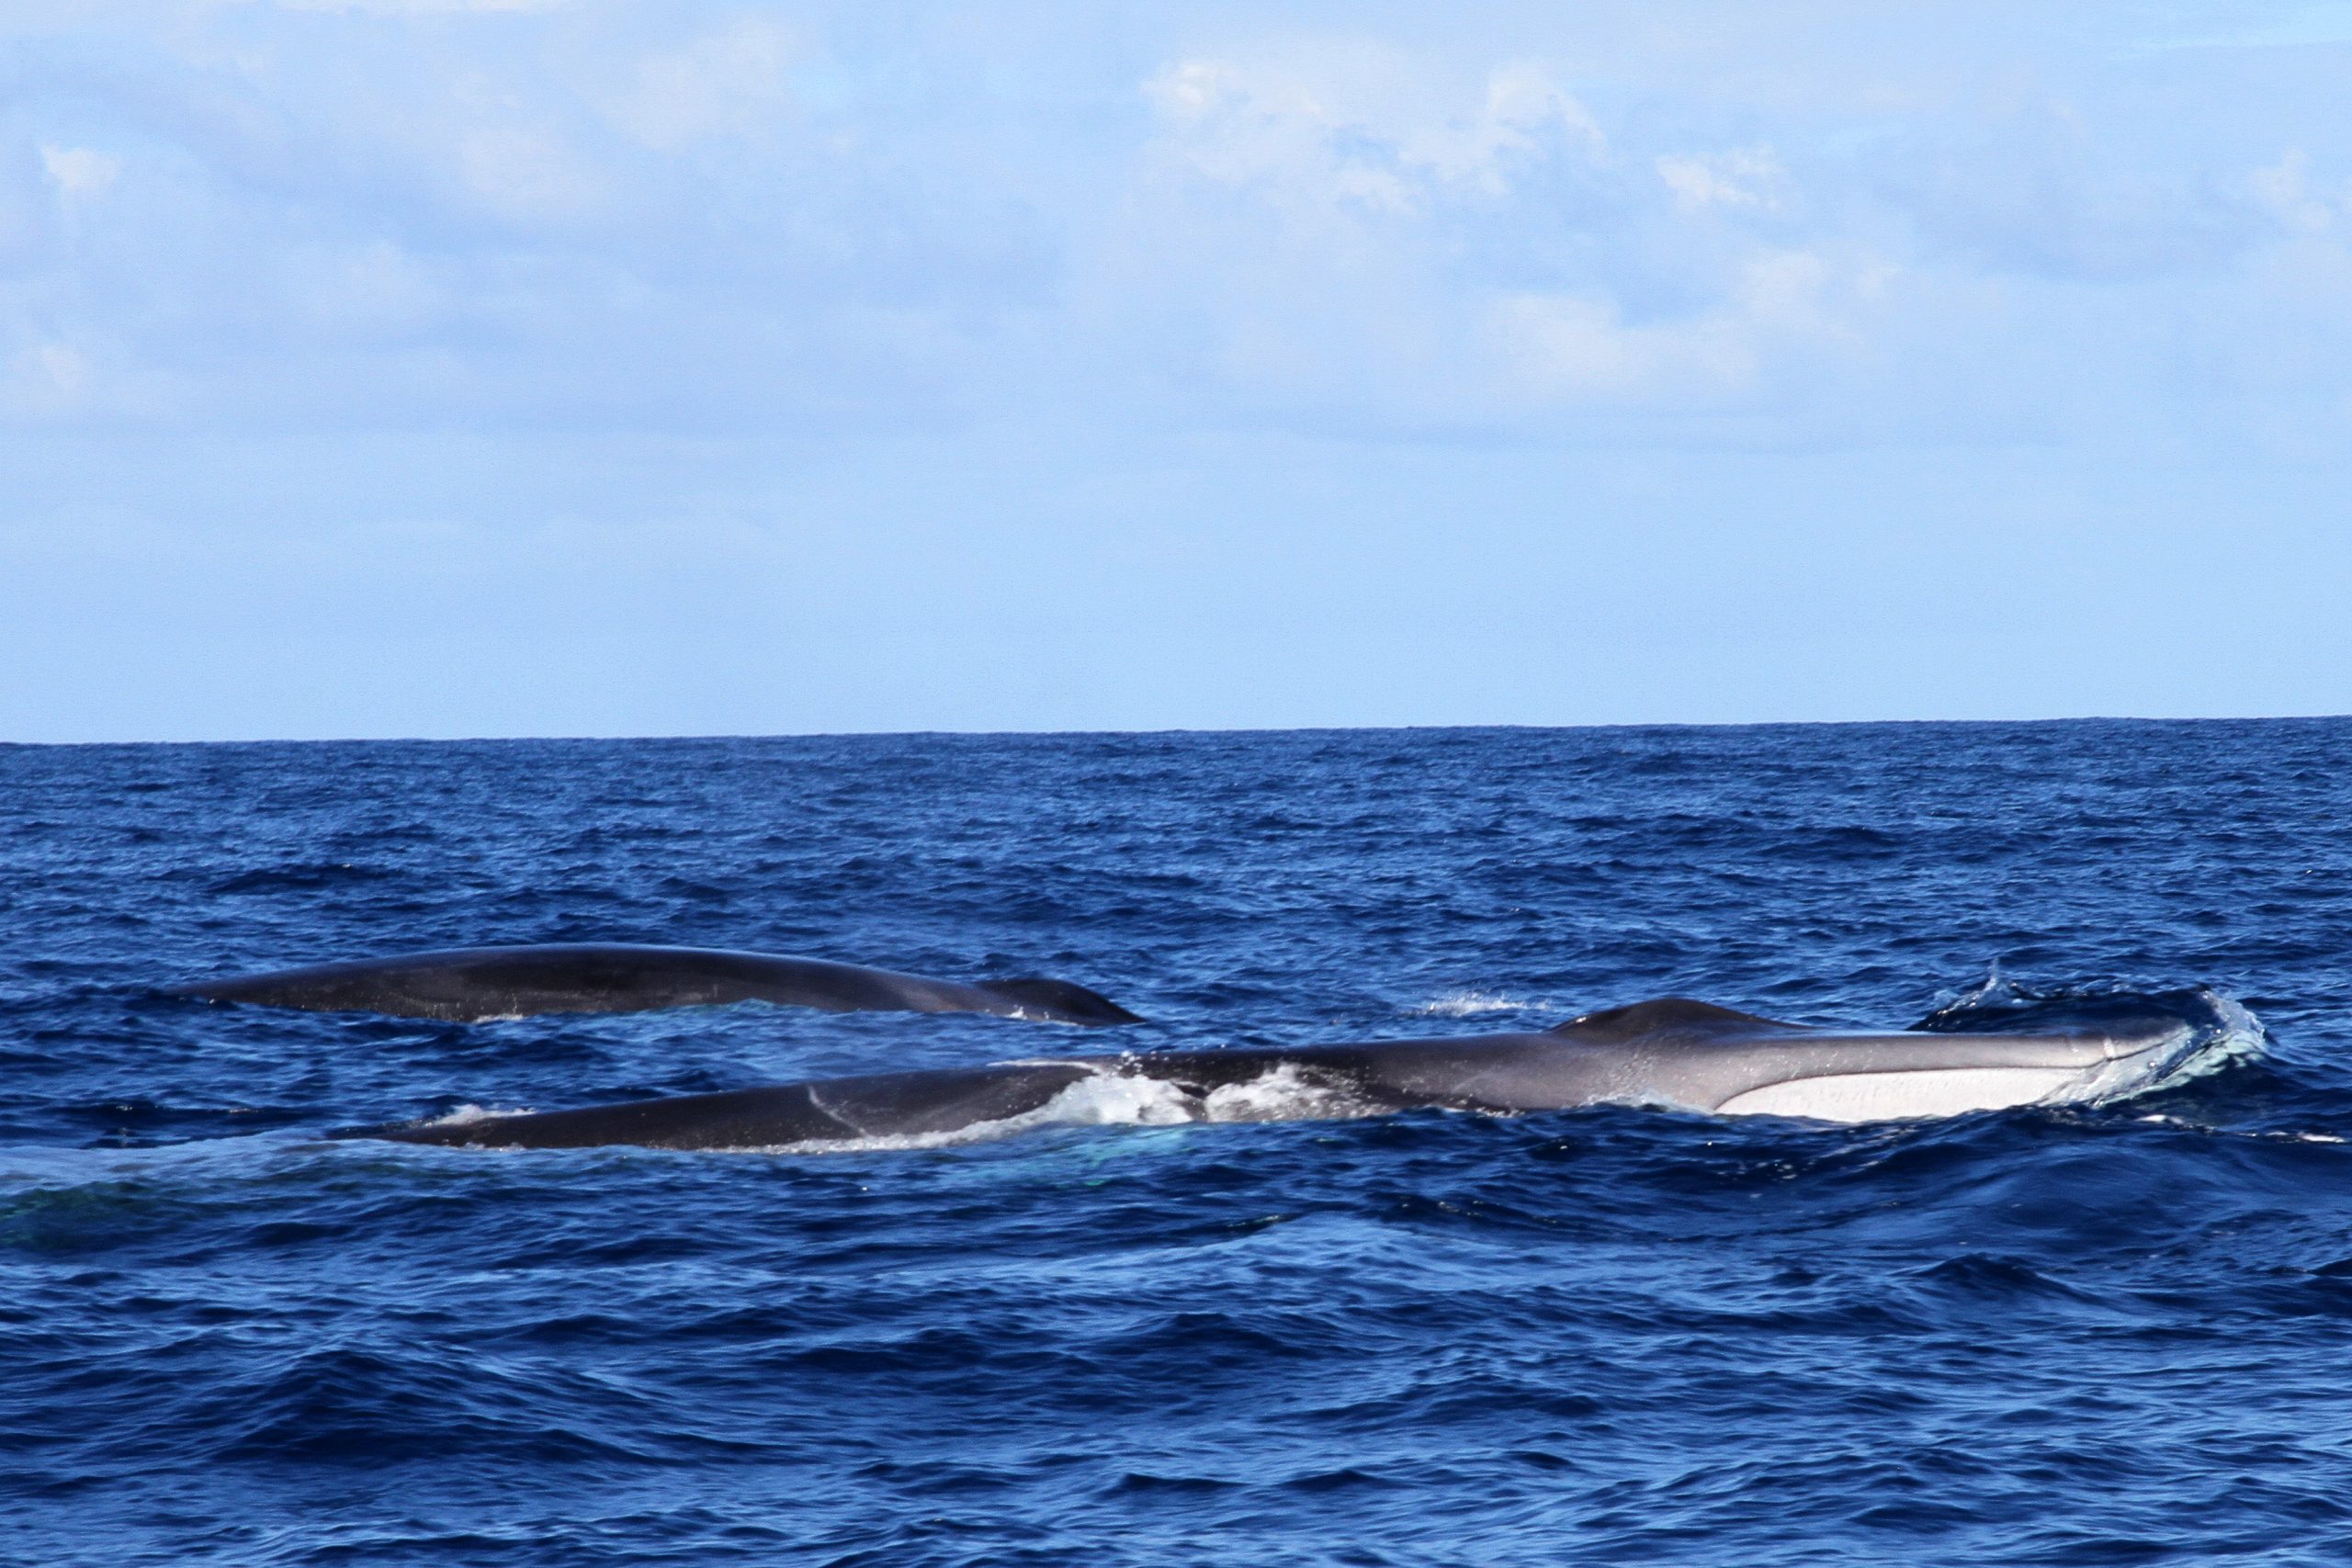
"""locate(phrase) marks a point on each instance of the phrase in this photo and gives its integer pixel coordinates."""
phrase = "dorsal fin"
(1667, 1015)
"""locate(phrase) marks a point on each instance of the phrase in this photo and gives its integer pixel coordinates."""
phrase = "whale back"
(1667, 1016)
(940, 1102)
(470, 984)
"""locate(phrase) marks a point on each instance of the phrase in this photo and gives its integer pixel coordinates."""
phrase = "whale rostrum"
(1673, 1053)
(471, 984)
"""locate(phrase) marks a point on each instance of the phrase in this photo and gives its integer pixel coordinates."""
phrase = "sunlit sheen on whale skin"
(1672, 1054)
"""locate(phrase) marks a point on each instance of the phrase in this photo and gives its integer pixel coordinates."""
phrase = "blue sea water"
(2117, 1334)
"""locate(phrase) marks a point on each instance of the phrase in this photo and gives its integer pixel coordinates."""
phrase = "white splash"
(1464, 1004)
(1097, 1100)
(1106, 1099)
(2239, 1036)
(466, 1114)
(1282, 1094)
(1992, 991)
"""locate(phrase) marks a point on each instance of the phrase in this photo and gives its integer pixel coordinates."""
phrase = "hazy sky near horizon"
(576, 367)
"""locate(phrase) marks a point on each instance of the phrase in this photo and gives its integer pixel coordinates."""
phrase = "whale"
(472, 983)
(1673, 1053)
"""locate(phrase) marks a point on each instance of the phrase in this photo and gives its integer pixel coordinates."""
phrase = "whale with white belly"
(1672, 1053)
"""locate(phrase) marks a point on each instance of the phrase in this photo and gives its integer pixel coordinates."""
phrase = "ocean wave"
(1604, 1333)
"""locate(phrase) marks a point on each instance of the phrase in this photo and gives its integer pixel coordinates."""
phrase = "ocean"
(2117, 1333)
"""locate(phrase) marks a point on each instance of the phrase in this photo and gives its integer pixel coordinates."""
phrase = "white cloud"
(45, 380)
(79, 171)
(1512, 219)
(1525, 109)
(1434, 246)
(1578, 346)
(1779, 305)
(1746, 177)
(529, 172)
(728, 82)
(1355, 127)
(2287, 189)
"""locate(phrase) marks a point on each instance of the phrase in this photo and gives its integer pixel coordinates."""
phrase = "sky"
(456, 367)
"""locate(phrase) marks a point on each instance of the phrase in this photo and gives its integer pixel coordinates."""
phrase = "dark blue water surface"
(2110, 1334)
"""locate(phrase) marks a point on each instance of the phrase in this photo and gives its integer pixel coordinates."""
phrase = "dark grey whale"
(470, 984)
(1672, 1053)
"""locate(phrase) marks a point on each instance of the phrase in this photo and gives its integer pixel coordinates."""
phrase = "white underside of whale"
(1898, 1096)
